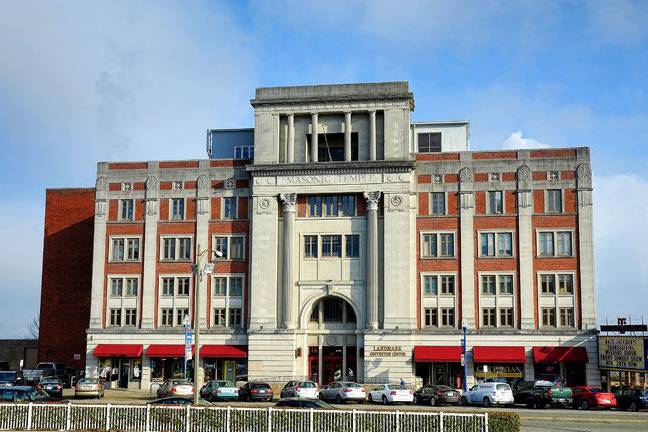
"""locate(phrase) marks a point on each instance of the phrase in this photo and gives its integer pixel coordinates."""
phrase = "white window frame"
(555, 232)
(177, 247)
(125, 238)
(488, 205)
(123, 301)
(119, 210)
(556, 297)
(184, 209)
(445, 204)
(124, 278)
(497, 232)
(175, 277)
(562, 201)
(438, 275)
(422, 243)
(236, 203)
(438, 301)
(227, 301)
(229, 241)
(501, 300)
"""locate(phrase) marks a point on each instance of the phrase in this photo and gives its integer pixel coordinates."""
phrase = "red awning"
(166, 350)
(223, 351)
(118, 350)
(484, 354)
(437, 354)
(560, 354)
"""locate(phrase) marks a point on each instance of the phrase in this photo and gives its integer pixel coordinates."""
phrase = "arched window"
(332, 310)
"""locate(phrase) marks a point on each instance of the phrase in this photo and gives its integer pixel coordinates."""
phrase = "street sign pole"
(463, 360)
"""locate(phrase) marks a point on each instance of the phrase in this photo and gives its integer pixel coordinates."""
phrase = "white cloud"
(517, 141)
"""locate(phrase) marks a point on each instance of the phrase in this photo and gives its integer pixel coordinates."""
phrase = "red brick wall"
(67, 275)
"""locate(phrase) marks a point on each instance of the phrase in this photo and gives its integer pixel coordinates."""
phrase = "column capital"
(372, 198)
(289, 200)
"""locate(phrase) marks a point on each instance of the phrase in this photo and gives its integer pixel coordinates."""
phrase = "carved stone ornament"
(203, 182)
(396, 200)
(101, 184)
(583, 172)
(230, 183)
(331, 340)
(151, 207)
(100, 208)
(264, 203)
(372, 199)
(523, 173)
(465, 175)
(289, 200)
(152, 183)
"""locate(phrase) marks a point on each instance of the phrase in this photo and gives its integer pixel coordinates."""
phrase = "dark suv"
(632, 399)
(10, 378)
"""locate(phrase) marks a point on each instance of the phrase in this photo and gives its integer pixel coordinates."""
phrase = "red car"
(585, 397)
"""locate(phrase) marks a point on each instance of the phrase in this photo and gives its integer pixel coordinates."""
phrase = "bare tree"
(33, 329)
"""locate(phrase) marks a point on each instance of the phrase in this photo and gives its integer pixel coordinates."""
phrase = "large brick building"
(354, 242)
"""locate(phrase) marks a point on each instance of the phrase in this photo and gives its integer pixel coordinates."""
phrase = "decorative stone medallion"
(465, 175)
(523, 173)
(396, 201)
(203, 182)
(331, 340)
(264, 203)
(583, 172)
(230, 183)
(152, 183)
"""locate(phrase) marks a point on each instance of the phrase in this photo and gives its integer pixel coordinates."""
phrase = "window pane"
(447, 245)
(169, 248)
(236, 286)
(554, 200)
(177, 208)
(505, 244)
(429, 245)
(495, 202)
(488, 284)
(221, 245)
(488, 244)
(546, 244)
(352, 245)
(236, 248)
(131, 286)
(118, 249)
(184, 250)
(447, 284)
(310, 246)
(183, 286)
(167, 286)
(220, 286)
(315, 206)
(229, 208)
(116, 286)
(348, 205)
(438, 203)
(564, 244)
(430, 285)
(506, 284)
(331, 246)
(565, 284)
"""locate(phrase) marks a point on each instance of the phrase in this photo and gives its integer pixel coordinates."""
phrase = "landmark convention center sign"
(623, 353)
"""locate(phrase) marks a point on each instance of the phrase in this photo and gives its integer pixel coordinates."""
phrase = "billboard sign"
(623, 352)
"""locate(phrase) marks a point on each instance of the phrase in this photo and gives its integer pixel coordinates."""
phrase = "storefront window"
(508, 373)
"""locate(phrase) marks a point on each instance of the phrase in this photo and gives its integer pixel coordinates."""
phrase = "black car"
(52, 386)
(255, 391)
(436, 395)
(303, 403)
(24, 394)
(632, 399)
(176, 400)
(10, 378)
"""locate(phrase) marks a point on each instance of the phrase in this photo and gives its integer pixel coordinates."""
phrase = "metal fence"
(151, 418)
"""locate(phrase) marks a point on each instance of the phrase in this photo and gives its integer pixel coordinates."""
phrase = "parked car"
(176, 400)
(57, 369)
(175, 387)
(343, 391)
(303, 403)
(52, 386)
(391, 393)
(33, 377)
(488, 394)
(632, 399)
(539, 394)
(300, 389)
(436, 395)
(10, 378)
(586, 397)
(255, 391)
(24, 394)
(219, 390)
(89, 387)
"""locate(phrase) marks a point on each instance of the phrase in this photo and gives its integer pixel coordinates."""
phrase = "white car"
(488, 394)
(175, 387)
(391, 393)
(343, 391)
(300, 389)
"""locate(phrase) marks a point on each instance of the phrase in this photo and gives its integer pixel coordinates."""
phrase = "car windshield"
(400, 387)
(351, 385)
(307, 384)
(443, 388)
(88, 381)
(7, 376)
(595, 390)
(256, 386)
(50, 381)
(179, 382)
(503, 387)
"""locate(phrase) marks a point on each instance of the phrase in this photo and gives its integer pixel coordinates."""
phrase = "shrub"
(503, 421)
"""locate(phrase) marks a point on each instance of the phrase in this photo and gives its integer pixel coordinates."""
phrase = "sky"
(88, 81)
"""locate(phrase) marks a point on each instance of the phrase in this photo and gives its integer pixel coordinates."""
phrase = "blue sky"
(125, 80)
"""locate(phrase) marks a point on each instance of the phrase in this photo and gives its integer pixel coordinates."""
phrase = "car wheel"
(487, 402)
(384, 400)
(338, 399)
(584, 405)
(633, 407)
(370, 399)
(432, 401)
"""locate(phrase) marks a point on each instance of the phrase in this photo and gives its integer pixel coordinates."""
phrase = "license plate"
(262, 391)
(450, 394)
(87, 388)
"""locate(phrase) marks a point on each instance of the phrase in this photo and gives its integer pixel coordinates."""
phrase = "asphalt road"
(547, 420)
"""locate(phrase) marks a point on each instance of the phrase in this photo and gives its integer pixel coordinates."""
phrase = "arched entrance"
(332, 350)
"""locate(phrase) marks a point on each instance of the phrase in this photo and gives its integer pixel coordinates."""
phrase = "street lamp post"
(207, 269)
(186, 323)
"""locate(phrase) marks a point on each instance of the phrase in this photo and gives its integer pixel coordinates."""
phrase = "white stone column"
(372, 135)
(585, 246)
(373, 198)
(291, 139)
(289, 202)
(467, 213)
(314, 132)
(347, 136)
(203, 214)
(151, 217)
(99, 254)
(525, 246)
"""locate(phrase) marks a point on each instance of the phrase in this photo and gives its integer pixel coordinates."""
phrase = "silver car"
(343, 391)
(300, 389)
(175, 387)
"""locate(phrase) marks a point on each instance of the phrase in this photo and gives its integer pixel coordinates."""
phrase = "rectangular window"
(488, 317)
(567, 317)
(352, 245)
(429, 245)
(167, 286)
(118, 249)
(332, 246)
(219, 317)
(236, 286)
(167, 317)
(448, 317)
(115, 317)
(438, 203)
(315, 206)
(235, 317)
(429, 142)
(554, 201)
(330, 206)
(546, 244)
(131, 287)
(132, 249)
(347, 205)
(183, 286)
(506, 284)
(229, 208)
(116, 287)
(126, 211)
(169, 248)
(125, 249)
(221, 245)
(447, 285)
(131, 317)
(488, 284)
(447, 245)
(505, 244)
(564, 243)
(180, 314)
(565, 284)
(220, 286)
(184, 248)
(310, 246)
(496, 244)
(487, 244)
(236, 251)
(243, 152)
(431, 317)
(549, 317)
(495, 202)
(506, 317)
(547, 284)
(430, 285)
(177, 209)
